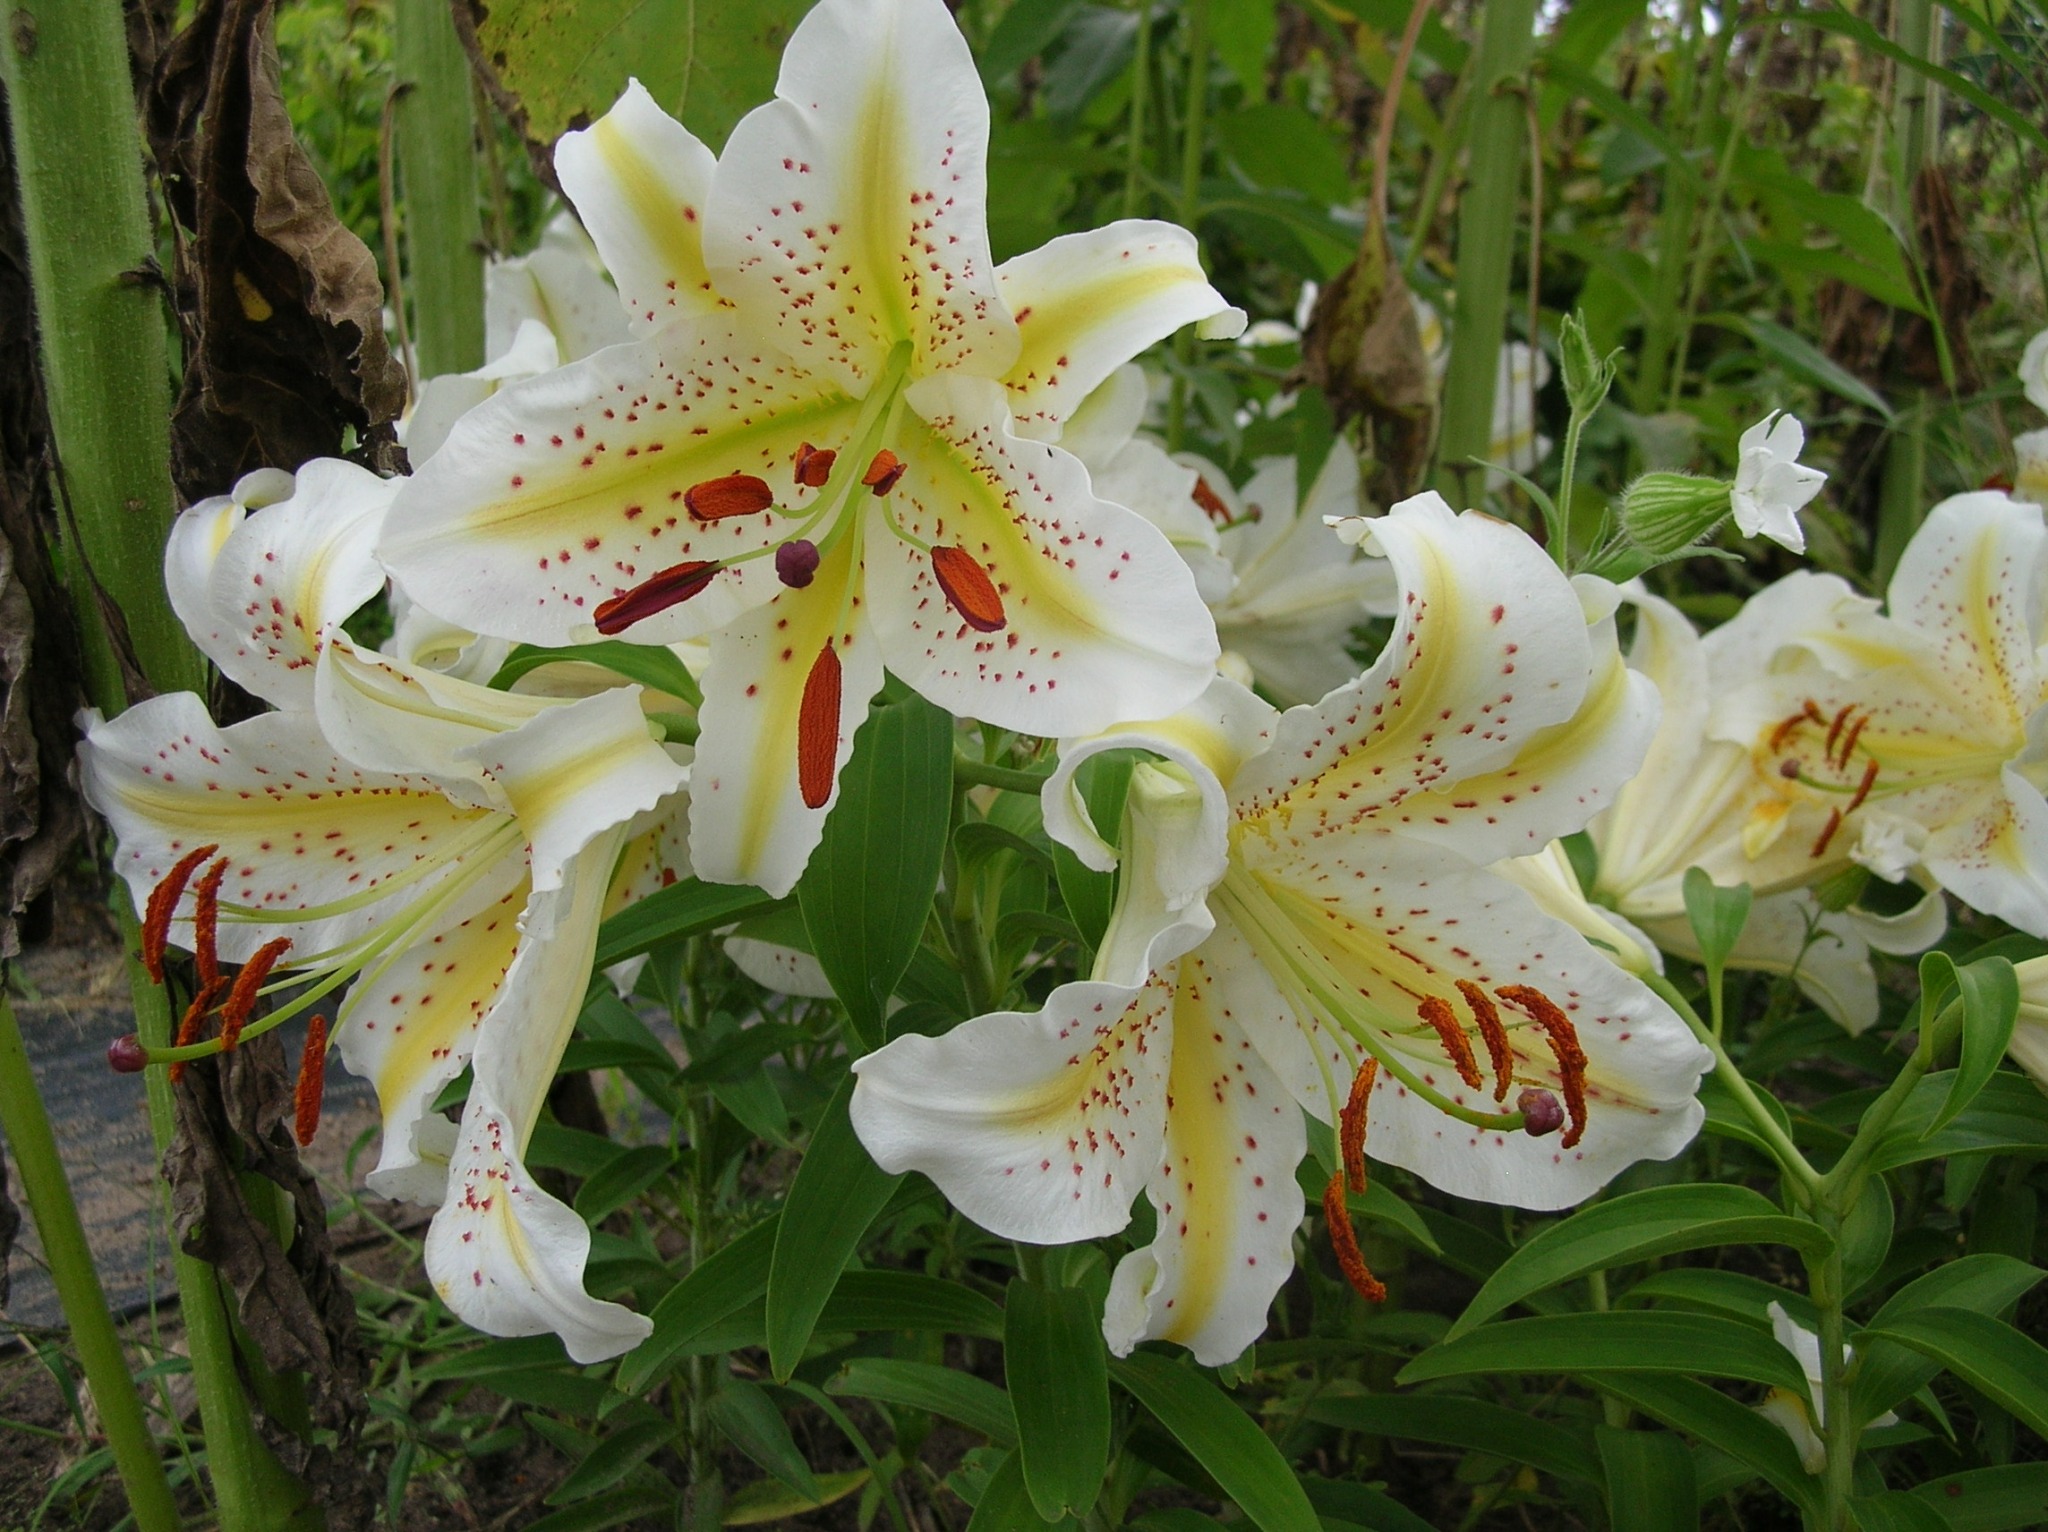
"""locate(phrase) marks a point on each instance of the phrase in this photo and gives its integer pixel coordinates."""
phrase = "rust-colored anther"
(1835, 730)
(1344, 1241)
(193, 1022)
(814, 465)
(206, 921)
(1438, 1013)
(817, 729)
(1563, 1038)
(312, 1082)
(969, 591)
(1827, 833)
(1351, 1126)
(1499, 1055)
(1784, 730)
(737, 494)
(883, 472)
(241, 1002)
(163, 904)
(1812, 711)
(1862, 788)
(1849, 740)
(1212, 504)
(671, 587)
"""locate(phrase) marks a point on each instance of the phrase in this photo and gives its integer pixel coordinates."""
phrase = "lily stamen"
(194, 1018)
(814, 465)
(311, 1084)
(1827, 832)
(670, 587)
(736, 494)
(968, 589)
(163, 904)
(1862, 788)
(206, 921)
(883, 472)
(1499, 1054)
(1351, 1126)
(1835, 730)
(1435, 1010)
(1563, 1038)
(817, 729)
(1849, 741)
(1344, 1242)
(241, 1001)
(1212, 504)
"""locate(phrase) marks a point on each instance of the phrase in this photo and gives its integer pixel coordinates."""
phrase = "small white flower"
(1804, 1419)
(2030, 471)
(2034, 371)
(1771, 484)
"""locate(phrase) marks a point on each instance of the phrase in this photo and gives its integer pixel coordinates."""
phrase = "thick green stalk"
(1141, 81)
(1916, 109)
(437, 160)
(78, 1285)
(107, 378)
(1194, 129)
(1486, 241)
(1676, 218)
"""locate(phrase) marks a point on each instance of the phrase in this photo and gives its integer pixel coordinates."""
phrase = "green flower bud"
(1664, 512)
(1587, 374)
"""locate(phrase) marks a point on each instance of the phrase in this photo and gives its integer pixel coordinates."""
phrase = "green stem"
(1805, 1179)
(1839, 1430)
(1842, 1186)
(78, 1285)
(1704, 247)
(1678, 206)
(1612, 1410)
(1486, 243)
(437, 158)
(1193, 141)
(973, 773)
(1561, 553)
(1141, 80)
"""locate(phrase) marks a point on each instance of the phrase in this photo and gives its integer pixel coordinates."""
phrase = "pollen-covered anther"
(737, 494)
(1862, 788)
(241, 1002)
(1849, 740)
(1499, 1055)
(1437, 1011)
(1344, 1241)
(883, 472)
(1827, 833)
(969, 590)
(312, 1082)
(194, 1020)
(206, 921)
(163, 904)
(814, 465)
(1212, 504)
(817, 730)
(1563, 1038)
(671, 587)
(1351, 1126)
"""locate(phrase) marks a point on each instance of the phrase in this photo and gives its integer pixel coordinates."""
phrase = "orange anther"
(883, 472)
(1344, 1241)
(1498, 1054)
(814, 465)
(1835, 730)
(969, 591)
(1784, 730)
(1827, 832)
(1849, 739)
(241, 1001)
(1812, 711)
(163, 904)
(194, 1019)
(671, 587)
(1438, 1013)
(1862, 788)
(1563, 1038)
(1212, 504)
(1351, 1125)
(206, 920)
(312, 1082)
(817, 730)
(737, 494)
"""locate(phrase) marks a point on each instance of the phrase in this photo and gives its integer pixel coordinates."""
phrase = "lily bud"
(1587, 374)
(1664, 512)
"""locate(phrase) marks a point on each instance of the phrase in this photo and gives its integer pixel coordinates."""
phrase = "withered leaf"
(280, 304)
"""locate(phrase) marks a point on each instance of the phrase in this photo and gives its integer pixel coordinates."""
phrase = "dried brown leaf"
(1363, 349)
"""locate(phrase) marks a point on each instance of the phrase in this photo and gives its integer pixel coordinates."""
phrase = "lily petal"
(851, 208)
(640, 180)
(195, 541)
(559, 493)
(389, 716)
(1087, 303)
(1224, 1191)
(1039, 1126)
(560, 284)
(1100, 619)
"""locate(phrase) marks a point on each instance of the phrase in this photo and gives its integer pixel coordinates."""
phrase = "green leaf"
(1638, 1227)
(1650, 1485)
(1989, 992)
(836, 1193)
(1619, 1342)
(1687, 1405)
(520, 1355)
(758, 1504)
(974, 1402)
(1896, 1511)
(568, 60)
(1456, 1421)
(2004, 1499)
(1242, 35)
(612, 1509)
(1058, 1372)
(1867, 1235)
(2009, 1113)
(724, 1282)
(1718, 915)
(652, 665)
(1986, 1353)
(1006, 1506)
(1276, 143)
(1799, 355)
(624, 1177)
(749, 1419)
(689, 907)
(1345, 1503)
(1221, 1437)
(612, 1459)
(869, 885)
(909, 1300)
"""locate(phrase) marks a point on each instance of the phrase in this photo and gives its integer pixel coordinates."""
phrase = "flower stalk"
(437, 157)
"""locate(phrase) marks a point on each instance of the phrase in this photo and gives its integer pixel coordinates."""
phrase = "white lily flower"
(1698, 801)
(1516, 442)
(2029, 1045)
(1771, 484)
(2030, 467)
(445, 399)
(829, 447)
(1305, 906)
(562, 286)
(443, 848)
(1804, 1419)
(1436, 343)
(1919, 732)
(2034, 371)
